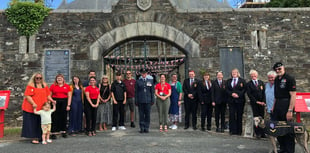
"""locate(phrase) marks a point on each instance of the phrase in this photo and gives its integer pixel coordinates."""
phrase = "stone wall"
(265, 36)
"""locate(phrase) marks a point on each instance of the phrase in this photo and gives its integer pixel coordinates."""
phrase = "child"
(46, 120)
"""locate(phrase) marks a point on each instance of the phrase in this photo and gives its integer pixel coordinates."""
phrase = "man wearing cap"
(285, 97)
(144, 98)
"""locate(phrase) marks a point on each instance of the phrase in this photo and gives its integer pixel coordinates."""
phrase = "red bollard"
(1, 123)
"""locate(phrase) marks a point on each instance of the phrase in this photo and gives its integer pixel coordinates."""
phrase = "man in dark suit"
(235, 88)
(144, 98)
(219, 100)
(190, 86)
(205, 99)
(256, 94)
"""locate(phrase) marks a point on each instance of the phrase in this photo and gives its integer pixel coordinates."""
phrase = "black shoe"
(64, 135)
(53, 136)
(263, 136)
(222, 130)
(141, 131)
(218, 130)
(146, 130)
(186, 127)
(195, 128)
(203, 129)
(132, 125)
(209, 128)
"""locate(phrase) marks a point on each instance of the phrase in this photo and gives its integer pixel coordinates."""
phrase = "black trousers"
(59, 117)
(144, 115)
(90, 115)
(118, 109)
(190, 109)
(287, 142)
(206, 111)
(220, 110)
(258, 110)
(235, 117)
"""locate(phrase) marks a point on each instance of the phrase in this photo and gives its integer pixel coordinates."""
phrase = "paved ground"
(131, 141)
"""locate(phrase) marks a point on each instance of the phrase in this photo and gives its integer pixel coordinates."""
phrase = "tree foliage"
(288, 3)
(26, 16)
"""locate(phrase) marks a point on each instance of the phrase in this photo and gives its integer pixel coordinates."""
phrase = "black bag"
(281, 128)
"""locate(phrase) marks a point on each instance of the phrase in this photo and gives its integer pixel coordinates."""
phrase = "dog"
(301, 134)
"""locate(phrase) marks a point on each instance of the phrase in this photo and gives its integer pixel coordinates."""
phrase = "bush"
(27, 17)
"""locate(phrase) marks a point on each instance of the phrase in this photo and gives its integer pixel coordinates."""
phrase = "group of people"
(94, 99)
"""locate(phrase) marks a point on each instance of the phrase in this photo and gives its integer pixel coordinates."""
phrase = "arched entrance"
(145, 31)
(157, 56)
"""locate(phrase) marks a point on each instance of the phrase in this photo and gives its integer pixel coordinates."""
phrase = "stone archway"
(168, 33)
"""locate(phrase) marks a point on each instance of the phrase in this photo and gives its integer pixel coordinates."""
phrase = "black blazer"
(188, 89)
(204, 94)
(239, 89)
(256, 93)
(219, 94)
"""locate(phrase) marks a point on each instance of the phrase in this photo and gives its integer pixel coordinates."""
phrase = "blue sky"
(55, 4)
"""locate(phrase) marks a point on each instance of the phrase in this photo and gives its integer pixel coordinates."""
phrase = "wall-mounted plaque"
(56, 62)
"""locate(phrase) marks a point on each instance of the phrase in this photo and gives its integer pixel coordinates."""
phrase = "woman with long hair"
(104, 108)
(61, 92)
(76, 109)
(36, 94)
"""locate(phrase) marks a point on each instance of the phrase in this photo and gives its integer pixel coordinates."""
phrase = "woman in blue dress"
(76, 108)
(175, 101)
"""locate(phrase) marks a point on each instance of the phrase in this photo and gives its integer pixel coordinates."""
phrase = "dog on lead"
(274, 129)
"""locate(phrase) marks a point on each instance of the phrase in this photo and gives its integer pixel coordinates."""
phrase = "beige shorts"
(46, 128)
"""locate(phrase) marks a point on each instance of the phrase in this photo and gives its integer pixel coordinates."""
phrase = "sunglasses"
(128, 73)
(38, 78)
(278, 69)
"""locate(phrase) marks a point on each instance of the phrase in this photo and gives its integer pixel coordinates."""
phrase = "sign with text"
(56, 62)
(302, 102)
(4, 98)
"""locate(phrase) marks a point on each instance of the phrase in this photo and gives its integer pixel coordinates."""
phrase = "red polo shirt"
(60, 92)
(93, 92)
(130, 87)
(163, 88)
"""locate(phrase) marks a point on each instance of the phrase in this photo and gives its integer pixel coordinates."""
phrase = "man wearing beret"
(144, 98)
(285, 97)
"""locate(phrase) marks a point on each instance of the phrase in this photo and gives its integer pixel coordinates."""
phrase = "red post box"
(4, 103)
(302, 104)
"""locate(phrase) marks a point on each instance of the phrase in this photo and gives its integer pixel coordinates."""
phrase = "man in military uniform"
(285, 95)
(144, 98)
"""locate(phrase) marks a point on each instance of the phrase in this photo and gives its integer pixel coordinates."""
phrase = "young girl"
(46, 120)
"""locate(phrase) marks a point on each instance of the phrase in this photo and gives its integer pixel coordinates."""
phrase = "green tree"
(288, 3)
(26, 16)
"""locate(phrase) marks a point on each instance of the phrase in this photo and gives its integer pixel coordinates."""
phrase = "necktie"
(255, 83)
(220, 83)
(209, 85)
(192, 81)
(234, 83)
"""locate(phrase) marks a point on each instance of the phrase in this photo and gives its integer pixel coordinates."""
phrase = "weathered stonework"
(198, 33)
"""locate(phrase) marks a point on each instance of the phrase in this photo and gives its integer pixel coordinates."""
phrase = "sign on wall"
(4, 98)
(56, 62)
(231, 58)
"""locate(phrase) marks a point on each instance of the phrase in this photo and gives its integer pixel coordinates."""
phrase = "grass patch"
(12, 131)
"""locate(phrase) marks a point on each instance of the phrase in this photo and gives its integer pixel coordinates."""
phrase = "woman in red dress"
(36, 94)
